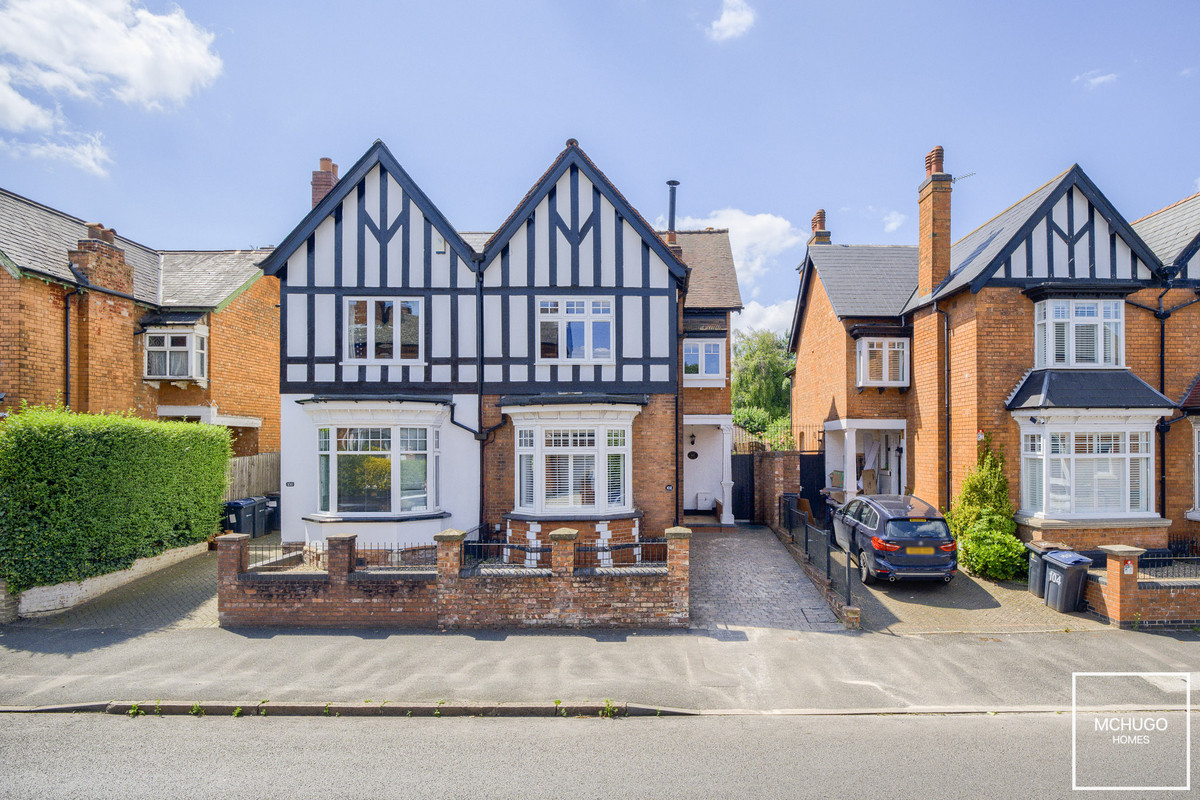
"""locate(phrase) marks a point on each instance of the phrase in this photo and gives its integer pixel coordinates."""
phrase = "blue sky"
(197, 125)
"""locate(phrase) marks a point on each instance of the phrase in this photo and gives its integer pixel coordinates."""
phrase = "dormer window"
(177, 354)
(1075, 334)
(882, 362)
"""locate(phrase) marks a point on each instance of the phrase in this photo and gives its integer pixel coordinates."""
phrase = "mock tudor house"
(569, 369)
(1056, 327)
(101, 323)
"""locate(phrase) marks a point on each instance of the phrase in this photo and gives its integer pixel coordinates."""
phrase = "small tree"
(760, 372)
(985, 488)
(981, 519)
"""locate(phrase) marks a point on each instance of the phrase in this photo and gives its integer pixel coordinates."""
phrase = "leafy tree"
(985, 488)
(761, 363)
(981, 519)
(751, 419)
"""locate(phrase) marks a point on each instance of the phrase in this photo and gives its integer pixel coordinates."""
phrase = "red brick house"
(1057, 327)
(101, 323)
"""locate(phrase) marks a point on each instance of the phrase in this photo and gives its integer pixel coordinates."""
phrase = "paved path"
(747, 579)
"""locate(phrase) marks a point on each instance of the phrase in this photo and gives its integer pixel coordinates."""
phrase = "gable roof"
(377, 155)
(865, 280)
(976, 257)
(713, 282)
(1173, 233)
(573, 156)
(37, 238)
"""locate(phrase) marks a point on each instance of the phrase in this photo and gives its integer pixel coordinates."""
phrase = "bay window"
(177, 354)
(383, 330)
(1072, 334)
(377, 470)
(882, 362)
(575, 330)
(573, 469)
(1087, 473)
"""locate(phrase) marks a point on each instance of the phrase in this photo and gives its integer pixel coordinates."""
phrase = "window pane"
(616, 438)
(201, 365)
(601, 339)
(356, 330)
(1112, 343)
(558, 480)
(583, 480)
(691, 359)
(616, 479)
(156, 341)
(1087, 310)
(411, 439)
(1039, 345)
(414, 487)
(712, 359)
(410, 329)
(364, 440)
(1031, 483)
(323, 440)
(525, 438)
(1060, 342)
(549, 332)
(576, 307)
(1099, 484)
(179, 341)
(156, 362)
(178, 363)
(548, 307)
(525, 479)
(383, 329)
(323, 482)
(1058, 499)
(1086, 344)
(874, 361)
(1139, 480)
(576, 338)
(364, 482)
(895, 361)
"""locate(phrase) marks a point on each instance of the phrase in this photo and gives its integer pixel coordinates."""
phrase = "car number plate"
(920, 551)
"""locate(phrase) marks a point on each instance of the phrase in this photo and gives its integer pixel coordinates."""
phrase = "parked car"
(896, 537)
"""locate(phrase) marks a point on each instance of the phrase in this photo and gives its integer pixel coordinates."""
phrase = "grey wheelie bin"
(1037, 567)
(1066, 578)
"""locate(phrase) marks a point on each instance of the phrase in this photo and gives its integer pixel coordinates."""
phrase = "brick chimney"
(819, 233)
(323, 180)
(101, 261)
(933, 251)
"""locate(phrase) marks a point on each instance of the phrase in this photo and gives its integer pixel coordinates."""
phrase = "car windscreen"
(917, 529)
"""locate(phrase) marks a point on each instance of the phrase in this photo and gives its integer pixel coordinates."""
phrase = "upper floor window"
(1079, 333)
(573, 469)
(177, 354)
(363, 470)
(704, 362)
(882, 362)
(575, 331)
(383, 330)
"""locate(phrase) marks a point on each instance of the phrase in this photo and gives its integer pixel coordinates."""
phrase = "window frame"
(886, 344)
(348, 357)
(196, 348)
(536, 447)
(703, 377)
(1044, 321)
(327, 494)
(589, 318)
(1068, 457)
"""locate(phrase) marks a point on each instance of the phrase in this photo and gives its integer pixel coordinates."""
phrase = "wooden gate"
(743, 485)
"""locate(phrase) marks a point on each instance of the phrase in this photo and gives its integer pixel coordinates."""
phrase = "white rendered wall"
(702, 474)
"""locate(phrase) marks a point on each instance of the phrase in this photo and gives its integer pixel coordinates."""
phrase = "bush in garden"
(751, 419)
(88, 494)
(984, 489)
(989, 548)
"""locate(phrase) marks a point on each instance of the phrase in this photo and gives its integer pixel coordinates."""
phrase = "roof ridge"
(1011, 206)
(65, 215)
(1166, 208)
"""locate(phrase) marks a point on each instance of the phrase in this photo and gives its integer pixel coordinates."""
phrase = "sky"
(196, 125)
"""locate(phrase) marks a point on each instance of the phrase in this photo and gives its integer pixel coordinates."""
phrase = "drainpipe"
(946, 337)
(67, 346)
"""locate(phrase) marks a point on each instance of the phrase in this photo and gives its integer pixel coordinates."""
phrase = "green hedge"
(85, 494)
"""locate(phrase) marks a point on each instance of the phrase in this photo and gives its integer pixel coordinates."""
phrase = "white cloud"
(1187, 72)
(737, 17)
(755, 316)
(92, 50)
(757, 239)
(83, 151)
(1094, 78)
(892, 221)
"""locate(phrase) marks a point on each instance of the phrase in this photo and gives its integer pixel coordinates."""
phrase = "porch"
(864, 456)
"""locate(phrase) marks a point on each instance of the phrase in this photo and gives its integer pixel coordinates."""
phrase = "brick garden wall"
(1129, 601)
(775, 472)
(342, 597)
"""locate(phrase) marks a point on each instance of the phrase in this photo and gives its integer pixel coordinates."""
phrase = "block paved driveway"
(747, 579)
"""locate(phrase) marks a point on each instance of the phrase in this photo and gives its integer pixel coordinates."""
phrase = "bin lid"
(1041, 546)
(242, 502)
(1067, 558)
(258, 498)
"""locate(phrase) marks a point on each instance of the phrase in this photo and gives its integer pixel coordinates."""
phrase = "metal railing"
(819, 546)
(395, 557)
(646, 553)
(481, 552)
(1183, 544)
(287, 557)
(1169, 567)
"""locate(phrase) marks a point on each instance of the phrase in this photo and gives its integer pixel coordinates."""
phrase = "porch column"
(850, 463)
(727, 474)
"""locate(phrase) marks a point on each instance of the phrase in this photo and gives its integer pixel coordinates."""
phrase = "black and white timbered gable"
(381, 295)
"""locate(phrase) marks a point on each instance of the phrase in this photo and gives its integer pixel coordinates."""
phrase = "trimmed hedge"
(87, 494)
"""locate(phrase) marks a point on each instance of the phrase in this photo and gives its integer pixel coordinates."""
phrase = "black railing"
(1152, 567)
(646, 553)
(287, 557)
(1183, 545)
(392, 556)
(480, 553)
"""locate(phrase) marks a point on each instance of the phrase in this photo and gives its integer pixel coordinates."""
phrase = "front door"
(891, 481)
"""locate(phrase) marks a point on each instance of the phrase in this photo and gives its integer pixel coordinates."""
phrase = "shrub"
(778, 434)
(989, 547)
(984, 489)
(87, 494)
(752, 419)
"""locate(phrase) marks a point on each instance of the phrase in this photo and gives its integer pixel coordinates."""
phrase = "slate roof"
(713, 282)
(1170, 230)
(1191, 400)
(1085, 388)
(475, 239)
(866, 280)
(36, 237)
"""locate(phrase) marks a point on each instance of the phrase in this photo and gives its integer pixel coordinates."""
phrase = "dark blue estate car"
(896, 537)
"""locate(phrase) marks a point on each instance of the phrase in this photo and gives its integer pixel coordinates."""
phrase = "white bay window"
(1087, 472)
(882, 362)
(377, 470)
(1073, 334)
(177, 354)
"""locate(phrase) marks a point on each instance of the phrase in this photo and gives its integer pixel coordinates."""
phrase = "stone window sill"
(321, 518)
(1046, 524)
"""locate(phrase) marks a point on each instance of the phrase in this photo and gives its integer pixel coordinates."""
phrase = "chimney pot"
(323, 179)
(673, 184)
(818, 220)
(109, 235)
(326, 165)
(95, 230)
(935, 161)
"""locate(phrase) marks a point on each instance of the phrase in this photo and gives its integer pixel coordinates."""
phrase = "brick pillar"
(562, 553)
(449, 554)
(8, 603)
(233, 558)
(339, 558)
(1122, 576)
(679, 542)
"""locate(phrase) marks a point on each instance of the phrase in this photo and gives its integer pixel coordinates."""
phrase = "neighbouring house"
(570, 369)
(1056, 327)
(101, 323)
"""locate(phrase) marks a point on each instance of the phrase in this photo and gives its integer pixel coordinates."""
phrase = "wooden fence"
(252, 475)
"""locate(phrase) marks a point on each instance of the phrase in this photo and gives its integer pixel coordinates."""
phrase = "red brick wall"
(819, 387)
(775, 472)
(709, 400)
(1092, 538)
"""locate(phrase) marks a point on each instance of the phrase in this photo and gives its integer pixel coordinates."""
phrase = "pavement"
(761, 642)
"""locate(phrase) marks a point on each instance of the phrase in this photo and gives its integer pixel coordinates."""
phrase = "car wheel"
(864, 571)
